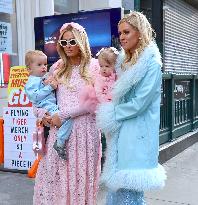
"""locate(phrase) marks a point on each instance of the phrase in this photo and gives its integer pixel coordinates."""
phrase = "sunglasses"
(64, 43)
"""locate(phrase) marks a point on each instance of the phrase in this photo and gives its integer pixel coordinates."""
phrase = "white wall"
(26, 11)
(87, 5)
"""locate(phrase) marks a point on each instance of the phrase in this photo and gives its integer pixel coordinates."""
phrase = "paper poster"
(19, 123)
(16, 94)
(5, 37)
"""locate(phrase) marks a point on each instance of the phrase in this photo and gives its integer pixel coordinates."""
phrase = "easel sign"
(19, 123)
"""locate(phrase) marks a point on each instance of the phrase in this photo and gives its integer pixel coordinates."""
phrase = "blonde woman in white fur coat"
(131, 121)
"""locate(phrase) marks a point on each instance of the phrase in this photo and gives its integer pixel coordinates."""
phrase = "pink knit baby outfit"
(103, 87)
(100, 92)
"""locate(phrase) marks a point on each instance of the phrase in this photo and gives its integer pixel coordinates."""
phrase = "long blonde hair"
(139, 22)
(65, 70)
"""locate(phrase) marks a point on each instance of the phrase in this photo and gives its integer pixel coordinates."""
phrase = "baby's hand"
(104, 89)
(56, 120)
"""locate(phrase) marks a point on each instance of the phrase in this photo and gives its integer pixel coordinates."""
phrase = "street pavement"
(181, 186)
(15, 189)
(182, 182)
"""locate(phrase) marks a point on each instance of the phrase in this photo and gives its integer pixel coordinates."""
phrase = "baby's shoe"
(61, 151)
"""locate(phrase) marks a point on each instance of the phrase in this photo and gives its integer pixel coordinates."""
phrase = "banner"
(19, 123)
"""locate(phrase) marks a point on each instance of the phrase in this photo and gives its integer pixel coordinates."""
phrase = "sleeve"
(39, 112)
(144, 94)
(64, 115)
(87, 93)
(105, 118)
(87, 98)
(35, 92)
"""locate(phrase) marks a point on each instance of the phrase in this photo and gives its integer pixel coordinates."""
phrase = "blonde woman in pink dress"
(73, 181)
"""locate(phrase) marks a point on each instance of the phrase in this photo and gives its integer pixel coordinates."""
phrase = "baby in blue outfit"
(40, 89)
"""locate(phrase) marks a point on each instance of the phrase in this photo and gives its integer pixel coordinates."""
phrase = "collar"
(134, 73)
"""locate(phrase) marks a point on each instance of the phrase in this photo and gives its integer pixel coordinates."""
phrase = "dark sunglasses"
(71, 42)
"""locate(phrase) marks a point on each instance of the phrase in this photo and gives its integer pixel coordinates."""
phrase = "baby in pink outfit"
(104, 80)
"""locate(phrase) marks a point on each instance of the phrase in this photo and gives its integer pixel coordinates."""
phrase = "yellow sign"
(16, 94)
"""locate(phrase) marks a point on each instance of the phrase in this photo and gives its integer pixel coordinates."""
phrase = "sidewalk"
(182, 183)
(181, 186)
(15, 189)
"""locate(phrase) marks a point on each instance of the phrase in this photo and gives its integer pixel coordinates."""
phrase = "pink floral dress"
(74, 181)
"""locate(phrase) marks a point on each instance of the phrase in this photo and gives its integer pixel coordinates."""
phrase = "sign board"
(5, 37)
(19, 123)
(18, 127)
(16, 94)
(181, 89)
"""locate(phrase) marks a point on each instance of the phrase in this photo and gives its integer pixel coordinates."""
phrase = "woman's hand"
(47, 119)
(56, 121)
(54, 84)
(38, 122)
(51, 81)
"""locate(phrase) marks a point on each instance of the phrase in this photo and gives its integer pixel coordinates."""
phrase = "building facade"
(175, 23)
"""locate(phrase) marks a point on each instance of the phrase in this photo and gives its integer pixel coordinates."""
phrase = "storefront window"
(66, 6)
(8, 30)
